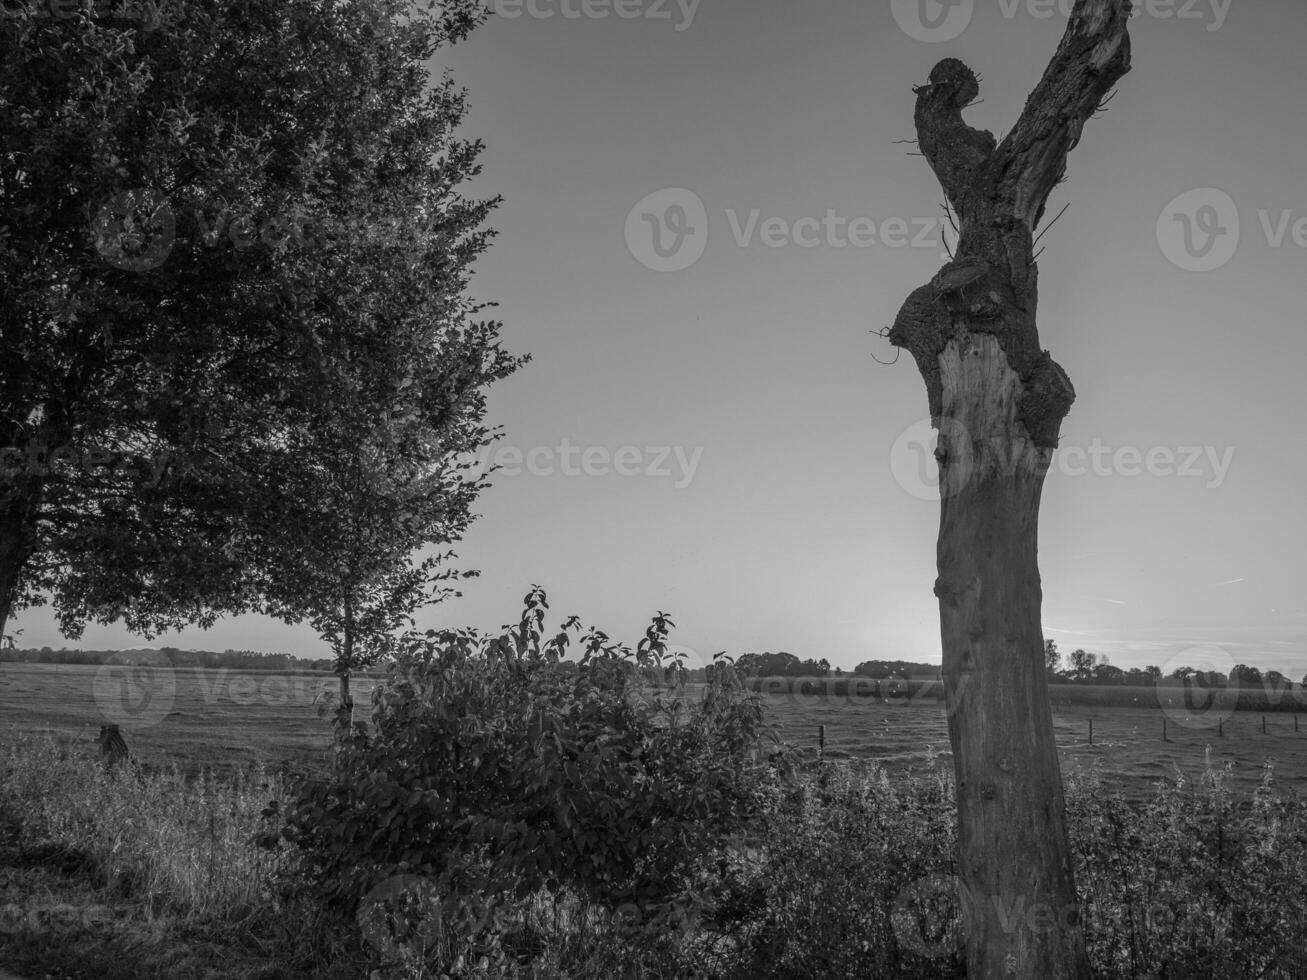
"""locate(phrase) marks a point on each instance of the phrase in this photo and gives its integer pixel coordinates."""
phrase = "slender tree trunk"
(998, 401)
(344, 665)
(17, 534)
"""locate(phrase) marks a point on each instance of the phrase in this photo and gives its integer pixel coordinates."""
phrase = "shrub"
(495, 772)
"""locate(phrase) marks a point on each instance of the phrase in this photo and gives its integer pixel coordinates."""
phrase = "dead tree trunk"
(998, 401)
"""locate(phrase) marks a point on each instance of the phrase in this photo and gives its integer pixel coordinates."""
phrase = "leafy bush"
(495, 770)
(852, 873)
(845, 879)
(1193, 883)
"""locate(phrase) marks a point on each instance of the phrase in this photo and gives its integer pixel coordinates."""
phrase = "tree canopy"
(234, 254)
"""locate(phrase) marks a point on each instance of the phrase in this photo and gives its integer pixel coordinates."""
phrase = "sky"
(704, 428)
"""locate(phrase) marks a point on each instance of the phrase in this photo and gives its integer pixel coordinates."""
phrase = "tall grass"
(847, 874)
(180, 844)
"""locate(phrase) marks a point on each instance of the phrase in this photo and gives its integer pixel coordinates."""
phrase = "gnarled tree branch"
(999, 192)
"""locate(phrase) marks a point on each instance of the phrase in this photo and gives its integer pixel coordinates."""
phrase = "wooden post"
(821, 742)
(1164, 738)
(1295, 724)
(1220, 728)
(1091, 731)
(1263, 724)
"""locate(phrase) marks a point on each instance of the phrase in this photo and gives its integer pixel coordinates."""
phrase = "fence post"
(1091, 731)
(1295, 723)
(1164, 738)
(1263, 724)
(1220, 728)
(821, 742)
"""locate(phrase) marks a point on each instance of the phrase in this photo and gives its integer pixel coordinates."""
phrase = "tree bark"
(19, 503)
(344, 664)
(998, 401)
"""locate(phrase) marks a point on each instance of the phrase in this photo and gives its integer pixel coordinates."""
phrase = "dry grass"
(176, 843)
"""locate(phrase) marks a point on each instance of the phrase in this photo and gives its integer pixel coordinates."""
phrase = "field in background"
(1127, 742)
(224, 719)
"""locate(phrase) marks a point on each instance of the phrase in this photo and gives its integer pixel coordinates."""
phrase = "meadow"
(1187, 852)
(225, 720)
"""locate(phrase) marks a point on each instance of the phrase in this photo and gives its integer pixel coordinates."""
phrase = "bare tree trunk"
(998, 401)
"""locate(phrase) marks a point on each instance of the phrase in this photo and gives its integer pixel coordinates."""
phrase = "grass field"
(225, 719)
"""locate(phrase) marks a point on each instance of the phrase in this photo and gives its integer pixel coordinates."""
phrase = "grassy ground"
(226, 720)
(154, 877)
(1127, 742)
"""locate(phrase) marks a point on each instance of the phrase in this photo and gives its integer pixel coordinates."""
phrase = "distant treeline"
(170, 656)
(788, 665)
(1172, 693)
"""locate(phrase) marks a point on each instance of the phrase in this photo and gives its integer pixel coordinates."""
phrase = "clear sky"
(751, 469)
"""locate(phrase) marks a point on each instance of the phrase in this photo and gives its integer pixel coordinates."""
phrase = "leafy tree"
(1246, 676)
(998, 399)
(1082, 663)
(178, 207)
(1052, 659)
(1105, 673)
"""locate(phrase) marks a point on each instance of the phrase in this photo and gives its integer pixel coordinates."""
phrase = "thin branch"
(1051, 224)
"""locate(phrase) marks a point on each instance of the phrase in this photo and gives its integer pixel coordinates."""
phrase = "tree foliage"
(218, 239)
(497, 767)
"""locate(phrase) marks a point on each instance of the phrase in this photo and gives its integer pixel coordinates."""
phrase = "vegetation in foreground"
(513, 815)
